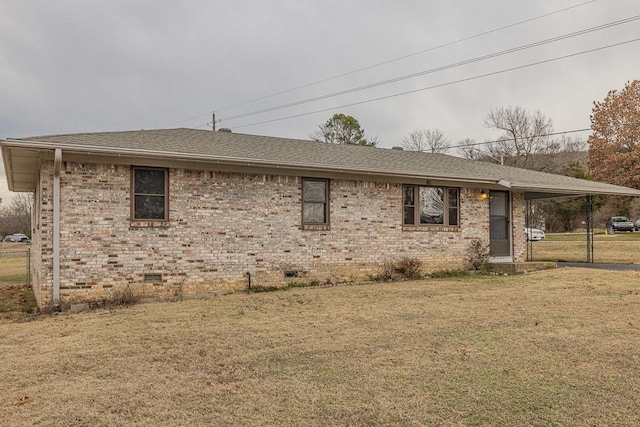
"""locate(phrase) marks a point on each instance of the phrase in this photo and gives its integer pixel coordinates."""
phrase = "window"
(315, 201)
(150, 194)
(430, 205)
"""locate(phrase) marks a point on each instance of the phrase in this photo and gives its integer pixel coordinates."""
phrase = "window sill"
(434, 228)
(316, 227)
(149, 224)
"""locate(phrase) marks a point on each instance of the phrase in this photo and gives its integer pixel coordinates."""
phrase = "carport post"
(589, 221)
(528, 225)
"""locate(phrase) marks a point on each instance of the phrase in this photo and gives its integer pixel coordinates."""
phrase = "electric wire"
(434, 70)
(517, 138)
(369, 67)
(495, 30)
(493, 73)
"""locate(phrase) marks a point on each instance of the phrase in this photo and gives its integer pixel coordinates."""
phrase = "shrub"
(405, 268)
(478, 255)
(388, 271)
(409, 268)
(121, 297)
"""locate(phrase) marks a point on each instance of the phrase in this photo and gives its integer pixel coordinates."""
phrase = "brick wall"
(223, 225)
(519, 224)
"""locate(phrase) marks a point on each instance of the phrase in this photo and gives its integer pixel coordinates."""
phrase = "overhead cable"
(518, 138)
(434, 70)
(506, 70)
(495, 30)
(369, 67)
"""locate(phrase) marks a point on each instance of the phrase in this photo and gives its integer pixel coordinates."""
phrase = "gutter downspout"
(57, 166)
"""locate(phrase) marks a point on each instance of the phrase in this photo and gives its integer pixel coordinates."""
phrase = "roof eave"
(8, 169)
(254, 162)
(573, 191)
(239, 161)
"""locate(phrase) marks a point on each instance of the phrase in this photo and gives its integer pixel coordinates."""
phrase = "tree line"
(522, 135)
(527, 139)
(16, 217)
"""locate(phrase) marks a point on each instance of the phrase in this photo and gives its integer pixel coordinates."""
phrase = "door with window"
(499, 224)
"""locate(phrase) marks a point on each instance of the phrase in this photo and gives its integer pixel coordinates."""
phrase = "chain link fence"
(15, 268)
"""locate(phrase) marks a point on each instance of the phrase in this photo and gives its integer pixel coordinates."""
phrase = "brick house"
(190, 212)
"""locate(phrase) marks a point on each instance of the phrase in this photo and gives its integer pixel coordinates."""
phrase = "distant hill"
(551, 163)
(556, 162)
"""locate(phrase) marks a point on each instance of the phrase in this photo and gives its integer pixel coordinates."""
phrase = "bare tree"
(468, 149)
(523, 134)
(572, 145)
(430, 141)
(16, 218)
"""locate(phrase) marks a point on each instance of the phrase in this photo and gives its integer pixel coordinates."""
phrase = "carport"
(531, 197)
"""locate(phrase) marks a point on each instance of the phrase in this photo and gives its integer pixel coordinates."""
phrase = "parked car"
(619, 223)
(536, 234)
(637, 225)
(17, 238)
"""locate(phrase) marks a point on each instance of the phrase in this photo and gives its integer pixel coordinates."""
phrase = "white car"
(18, 237)
(536, 234)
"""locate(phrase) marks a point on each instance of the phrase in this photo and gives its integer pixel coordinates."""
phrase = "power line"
(518, 138)
(434, 70)
(441, 84)
(369, 67)
(495, 30)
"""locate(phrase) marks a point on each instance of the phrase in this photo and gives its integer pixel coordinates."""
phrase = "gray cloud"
(78, 66)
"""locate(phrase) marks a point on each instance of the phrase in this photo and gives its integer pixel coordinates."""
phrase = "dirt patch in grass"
(16, 296)
(15, 300)
(558, 347)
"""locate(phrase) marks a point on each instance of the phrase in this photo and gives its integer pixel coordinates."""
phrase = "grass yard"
(16, 297)
(572, 247)
(13, 265)
(16, 300)
(558, 347)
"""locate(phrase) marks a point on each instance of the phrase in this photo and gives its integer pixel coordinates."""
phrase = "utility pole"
(213, 123)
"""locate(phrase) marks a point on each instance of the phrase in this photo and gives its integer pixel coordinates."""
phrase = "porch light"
(483, 194)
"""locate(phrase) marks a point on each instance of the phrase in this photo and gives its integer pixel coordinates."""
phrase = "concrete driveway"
(616, 267)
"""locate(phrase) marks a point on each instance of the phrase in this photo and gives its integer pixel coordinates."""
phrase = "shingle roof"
(229, 147)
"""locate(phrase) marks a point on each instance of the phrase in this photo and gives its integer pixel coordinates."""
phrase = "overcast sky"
(84, 66)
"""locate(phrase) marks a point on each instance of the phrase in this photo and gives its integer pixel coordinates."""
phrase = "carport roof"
(22, 157)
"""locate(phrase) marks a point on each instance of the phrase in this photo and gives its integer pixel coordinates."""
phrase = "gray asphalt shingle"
(178, 143)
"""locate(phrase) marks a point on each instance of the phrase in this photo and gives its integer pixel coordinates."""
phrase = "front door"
(499, 232)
